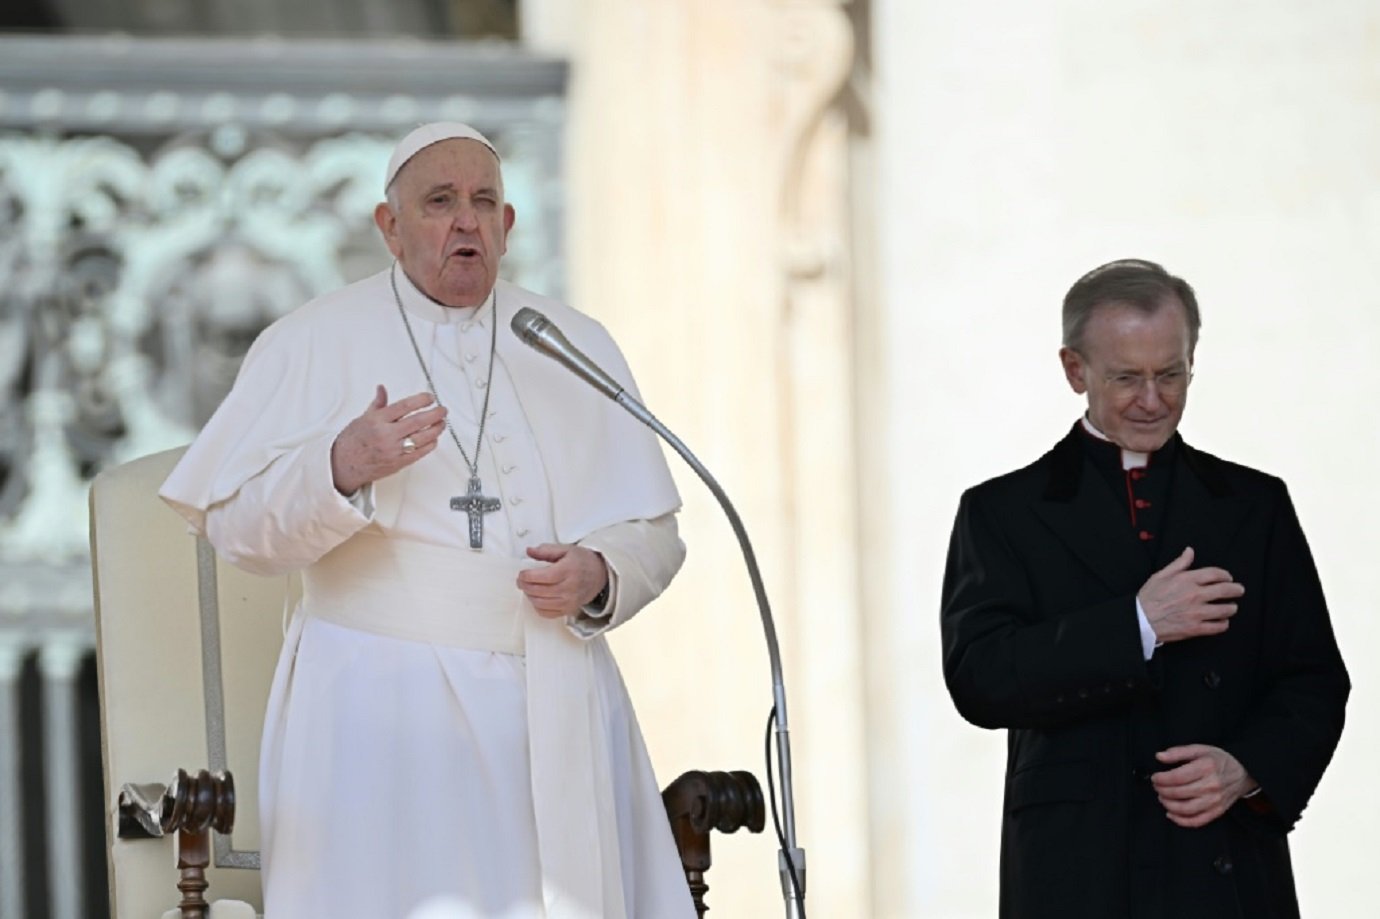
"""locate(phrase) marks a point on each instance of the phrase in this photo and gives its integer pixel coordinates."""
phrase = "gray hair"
(1133, 282)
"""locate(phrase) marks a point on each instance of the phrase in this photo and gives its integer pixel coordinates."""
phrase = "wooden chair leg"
(193, 858)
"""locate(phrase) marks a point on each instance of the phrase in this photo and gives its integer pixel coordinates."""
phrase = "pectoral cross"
(476, 505)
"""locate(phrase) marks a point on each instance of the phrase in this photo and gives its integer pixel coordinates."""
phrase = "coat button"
(1222, 865)
(1211, 679)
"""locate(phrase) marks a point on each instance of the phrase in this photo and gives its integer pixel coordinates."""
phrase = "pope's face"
(1135, 369)
(450, 226)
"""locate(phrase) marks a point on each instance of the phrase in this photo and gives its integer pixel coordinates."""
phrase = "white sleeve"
(642, 557)
(1149, 641)
(289, 515)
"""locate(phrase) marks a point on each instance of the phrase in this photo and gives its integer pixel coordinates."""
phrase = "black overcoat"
(1041, 638)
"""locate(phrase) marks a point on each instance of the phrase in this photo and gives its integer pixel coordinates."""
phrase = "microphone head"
(528, 324)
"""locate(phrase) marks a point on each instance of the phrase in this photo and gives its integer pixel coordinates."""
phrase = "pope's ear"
(387, 223)
(1075, 369)
(509, 217)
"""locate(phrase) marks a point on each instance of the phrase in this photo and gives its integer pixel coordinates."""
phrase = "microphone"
(541, 333)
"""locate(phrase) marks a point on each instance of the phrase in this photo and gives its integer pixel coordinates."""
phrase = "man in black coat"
(1146, 621)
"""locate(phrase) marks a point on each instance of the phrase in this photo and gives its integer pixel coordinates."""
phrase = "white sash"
(454, 597)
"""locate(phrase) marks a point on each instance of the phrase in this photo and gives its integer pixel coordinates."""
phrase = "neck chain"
(473, 503)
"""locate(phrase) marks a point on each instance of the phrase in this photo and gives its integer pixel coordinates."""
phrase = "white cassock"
(495, 762)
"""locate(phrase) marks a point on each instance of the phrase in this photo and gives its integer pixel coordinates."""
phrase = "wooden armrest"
(699, 802)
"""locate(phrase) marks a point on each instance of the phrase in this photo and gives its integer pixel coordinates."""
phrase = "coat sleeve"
(642, 556)
(1010, 664)
(1288, 740)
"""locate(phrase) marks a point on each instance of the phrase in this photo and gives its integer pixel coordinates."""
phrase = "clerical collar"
(421, 306)
(1130, 459)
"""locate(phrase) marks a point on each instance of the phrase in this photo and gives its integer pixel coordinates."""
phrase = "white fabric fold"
(591, 485)
(367, 581)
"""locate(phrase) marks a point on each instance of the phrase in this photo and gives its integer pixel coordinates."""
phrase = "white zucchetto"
(423, 137)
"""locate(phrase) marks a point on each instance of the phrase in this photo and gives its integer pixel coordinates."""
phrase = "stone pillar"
(59, 661)
(11, 791)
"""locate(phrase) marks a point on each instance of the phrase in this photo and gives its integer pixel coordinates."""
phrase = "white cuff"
(363, 500)
(1148, 640)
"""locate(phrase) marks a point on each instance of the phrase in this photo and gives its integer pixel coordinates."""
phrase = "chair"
(172, 622)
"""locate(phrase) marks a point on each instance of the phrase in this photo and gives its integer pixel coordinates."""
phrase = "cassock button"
(1137, 474)
(514, 501)
(1212, 679)
(522, 532)
(469, 358)
(1142, 503)
(1222, 865)
(481, 383)
(1082, 693)
(509, 468)
(499, 438)
(1145, 536)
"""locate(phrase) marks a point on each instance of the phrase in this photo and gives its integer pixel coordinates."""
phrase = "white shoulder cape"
(311, 372)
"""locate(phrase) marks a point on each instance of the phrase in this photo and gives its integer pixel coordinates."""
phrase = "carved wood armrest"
(191, 806)
(699, 802)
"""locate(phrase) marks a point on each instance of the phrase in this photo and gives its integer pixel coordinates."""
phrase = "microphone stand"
(792, 885)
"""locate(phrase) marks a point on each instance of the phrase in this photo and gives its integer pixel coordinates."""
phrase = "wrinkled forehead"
(1129, 335)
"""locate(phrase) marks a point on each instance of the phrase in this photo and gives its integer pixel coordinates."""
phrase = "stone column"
(11, 791)
(59, 661)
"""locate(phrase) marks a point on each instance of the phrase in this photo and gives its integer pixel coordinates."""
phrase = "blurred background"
(832, 238)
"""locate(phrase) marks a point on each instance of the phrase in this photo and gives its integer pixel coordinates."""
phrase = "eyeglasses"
(1166, 382)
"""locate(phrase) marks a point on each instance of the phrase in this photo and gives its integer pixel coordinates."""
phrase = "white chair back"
(186, 647)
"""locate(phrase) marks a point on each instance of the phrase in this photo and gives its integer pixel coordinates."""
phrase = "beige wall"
(1022, 143)
(707, 201)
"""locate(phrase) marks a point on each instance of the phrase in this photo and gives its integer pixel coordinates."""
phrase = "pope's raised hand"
(387, 437)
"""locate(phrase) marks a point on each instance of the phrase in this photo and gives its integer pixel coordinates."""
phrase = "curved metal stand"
(792, 855)
(538, 332)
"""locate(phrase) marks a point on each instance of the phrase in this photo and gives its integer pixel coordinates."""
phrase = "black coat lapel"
(1203, 511)
(1083, 514)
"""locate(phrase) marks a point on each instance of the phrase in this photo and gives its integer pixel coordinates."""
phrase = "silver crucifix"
(476, 505)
